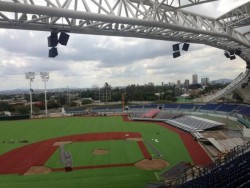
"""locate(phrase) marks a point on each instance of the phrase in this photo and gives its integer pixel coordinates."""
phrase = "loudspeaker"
(53, 39)
(176, 47)
(53, 52)
(185, 47)
(176, 54)
(63, 39)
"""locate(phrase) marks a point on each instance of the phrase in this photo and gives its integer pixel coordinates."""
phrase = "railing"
(194, 172)
(232, 86)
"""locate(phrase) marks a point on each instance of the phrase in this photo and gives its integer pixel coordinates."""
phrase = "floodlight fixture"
(63, 38)
(226, 54)
(30, 76)
(45, 78)
(176, 54)
(53, 39)
(232, 57)
(176, 47)
(238, 51)
(185, 46)
(231, 52)
(53, 52)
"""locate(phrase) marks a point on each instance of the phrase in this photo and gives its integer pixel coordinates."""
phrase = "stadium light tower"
(30, 76)
(45, 78)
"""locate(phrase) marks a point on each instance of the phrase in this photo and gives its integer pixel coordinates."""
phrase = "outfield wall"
(14, 117)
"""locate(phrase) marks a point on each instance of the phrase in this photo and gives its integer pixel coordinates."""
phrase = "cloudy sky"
(90, 60)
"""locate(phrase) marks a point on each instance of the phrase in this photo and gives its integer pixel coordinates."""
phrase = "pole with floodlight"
(45, 78)
(30, 76)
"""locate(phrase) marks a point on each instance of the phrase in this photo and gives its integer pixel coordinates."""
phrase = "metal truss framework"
(151, 19)
(238, 17)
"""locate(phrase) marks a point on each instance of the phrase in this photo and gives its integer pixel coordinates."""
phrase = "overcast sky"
(90, 60)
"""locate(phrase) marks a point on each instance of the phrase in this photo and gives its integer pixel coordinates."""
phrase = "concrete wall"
(246, 133)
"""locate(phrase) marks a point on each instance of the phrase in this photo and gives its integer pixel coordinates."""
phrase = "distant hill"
(221, 81)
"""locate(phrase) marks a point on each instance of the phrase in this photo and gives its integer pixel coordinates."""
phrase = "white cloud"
(89, 59)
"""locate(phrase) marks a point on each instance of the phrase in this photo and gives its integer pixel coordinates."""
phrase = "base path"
(19, 160)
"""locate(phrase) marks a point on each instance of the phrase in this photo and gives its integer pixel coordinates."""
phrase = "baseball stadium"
(147, 145)
(203, 143)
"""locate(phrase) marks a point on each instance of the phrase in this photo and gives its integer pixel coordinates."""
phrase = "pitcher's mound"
(154, 164)
(100, 151)
(37, 170)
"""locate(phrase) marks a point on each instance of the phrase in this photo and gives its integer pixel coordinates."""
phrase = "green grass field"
(170, 145)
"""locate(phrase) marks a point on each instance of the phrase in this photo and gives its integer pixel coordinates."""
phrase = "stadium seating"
(209, 107)
(227, 107)
(186, 106)
(150, 113)
(137, 114)
(136, 106)
(167, 115)
(245, 111)
(174, 106)
(230, 171)
(150, 106)
(191, 124)
(235, 173)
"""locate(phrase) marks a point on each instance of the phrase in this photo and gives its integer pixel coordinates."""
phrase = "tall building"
(204, 81)
(178, 83)
(186, 83)
(195, 79)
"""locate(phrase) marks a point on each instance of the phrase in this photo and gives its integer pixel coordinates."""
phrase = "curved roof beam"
(173, 4)
(238, 17)
(127, 18)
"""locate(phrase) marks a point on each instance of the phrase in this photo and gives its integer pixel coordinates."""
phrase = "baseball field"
(106, 152)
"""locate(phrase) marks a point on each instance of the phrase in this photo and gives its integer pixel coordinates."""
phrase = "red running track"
(19, 160)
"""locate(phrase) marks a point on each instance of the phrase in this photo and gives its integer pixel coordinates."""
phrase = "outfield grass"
(101, 178)
(169, 145)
